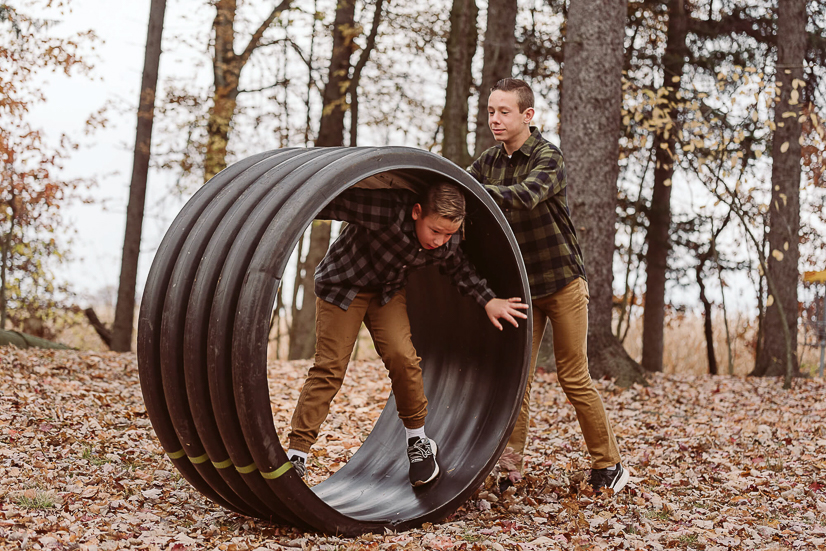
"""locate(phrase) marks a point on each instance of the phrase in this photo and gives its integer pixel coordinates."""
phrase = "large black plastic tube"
(203, 335)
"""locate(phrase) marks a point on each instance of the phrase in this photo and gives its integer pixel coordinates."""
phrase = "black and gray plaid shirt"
(530, 188)
(379, 247)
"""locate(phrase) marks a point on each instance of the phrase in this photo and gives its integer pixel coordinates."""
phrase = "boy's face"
(433, 230)
(504, 119)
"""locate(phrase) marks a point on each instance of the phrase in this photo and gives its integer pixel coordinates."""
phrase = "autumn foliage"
(32, 190)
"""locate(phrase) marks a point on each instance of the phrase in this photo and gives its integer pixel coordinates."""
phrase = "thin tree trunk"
(103, 332)
(784, 211)
(659, 215)
(461, 46)
(590, 124)
(4, 263)
(761, 306)
(725, 312)
(310, 80)
(331, 128)
(226, 70)
(499, 50)
(302, 329)
(330, 134)
(737, 209)
(279, 304)
(125, 308)
(3, 259)
(628, 293)
(299, 277)
(707, 327)
(356, 79)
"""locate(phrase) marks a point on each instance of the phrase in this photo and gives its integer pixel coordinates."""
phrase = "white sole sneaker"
(435, 471)
(621, 480)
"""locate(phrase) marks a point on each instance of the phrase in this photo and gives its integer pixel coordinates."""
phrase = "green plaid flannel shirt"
(530, 189)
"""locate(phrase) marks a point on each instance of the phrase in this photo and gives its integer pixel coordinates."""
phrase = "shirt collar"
(534, 139)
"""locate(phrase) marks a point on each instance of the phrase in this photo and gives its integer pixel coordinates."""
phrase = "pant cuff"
(299, 446)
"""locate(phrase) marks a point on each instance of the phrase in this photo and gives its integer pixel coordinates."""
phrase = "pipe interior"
(471, 378)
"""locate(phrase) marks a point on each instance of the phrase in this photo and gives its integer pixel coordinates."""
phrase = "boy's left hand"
(506, 309)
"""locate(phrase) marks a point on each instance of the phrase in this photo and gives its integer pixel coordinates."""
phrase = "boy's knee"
(399, 354)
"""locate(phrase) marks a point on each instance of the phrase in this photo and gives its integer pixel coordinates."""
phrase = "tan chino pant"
(336, 333)
(568, 311)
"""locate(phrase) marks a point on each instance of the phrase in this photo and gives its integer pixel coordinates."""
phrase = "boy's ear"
(528, 114)
(417, 211)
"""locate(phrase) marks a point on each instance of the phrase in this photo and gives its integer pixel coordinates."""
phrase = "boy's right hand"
(506, 309)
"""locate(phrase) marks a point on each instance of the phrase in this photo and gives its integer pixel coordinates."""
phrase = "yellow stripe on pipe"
(222, 464)
(246, 470)
(176, 455)
(200, 459)
(278, 472)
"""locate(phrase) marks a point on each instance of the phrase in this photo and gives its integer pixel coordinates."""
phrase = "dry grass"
(684, 354)
(685, 345)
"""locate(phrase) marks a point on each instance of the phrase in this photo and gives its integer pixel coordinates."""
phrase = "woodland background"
(696, 126)
(693, 133)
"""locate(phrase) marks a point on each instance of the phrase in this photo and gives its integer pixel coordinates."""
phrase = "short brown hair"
(446, 200)
(524, 94)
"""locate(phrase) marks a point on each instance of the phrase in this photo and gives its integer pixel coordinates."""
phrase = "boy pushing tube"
(525, 175)
(362, 279)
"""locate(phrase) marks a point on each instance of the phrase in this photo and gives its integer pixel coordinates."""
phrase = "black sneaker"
(422, 455)
(299, 465)
(604, 478)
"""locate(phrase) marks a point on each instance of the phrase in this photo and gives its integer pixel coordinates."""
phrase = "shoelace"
(420, 451)
(299, 467)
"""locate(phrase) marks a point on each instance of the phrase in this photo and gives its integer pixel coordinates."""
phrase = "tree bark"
(499, 51)
(103, 332)
(125, 309)
(4, 258)
(226, 70)
(302, 329)
(461, 46)
(331, 127)
(707, 328)
(590, 124)
(354, 81)
(330, 134)
(659, 215)
(784, 211)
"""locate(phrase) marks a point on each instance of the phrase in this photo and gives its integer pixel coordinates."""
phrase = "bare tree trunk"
(103, 332)
(590, 123)
(761, 306)
(330, 133)
(784, 211)
(226, 69)
(730, 364)
(125, 309)
(331, 128)
(499, 50)
(628, 294)
(461, 45)
(659, 216)
(4, 260)
(302, 330)
(354, 82)
(707, 327)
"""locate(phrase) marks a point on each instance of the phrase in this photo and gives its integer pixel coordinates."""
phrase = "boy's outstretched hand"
(506, 309)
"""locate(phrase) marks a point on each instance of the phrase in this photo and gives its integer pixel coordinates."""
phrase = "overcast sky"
(107, 155)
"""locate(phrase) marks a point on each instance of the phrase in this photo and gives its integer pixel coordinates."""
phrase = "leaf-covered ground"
(722, 463)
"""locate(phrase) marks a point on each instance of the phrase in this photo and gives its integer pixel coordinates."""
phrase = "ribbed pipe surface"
(203, 334)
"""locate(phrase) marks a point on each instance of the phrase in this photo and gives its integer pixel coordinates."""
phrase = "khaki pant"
(568, 312)
(336, 332)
